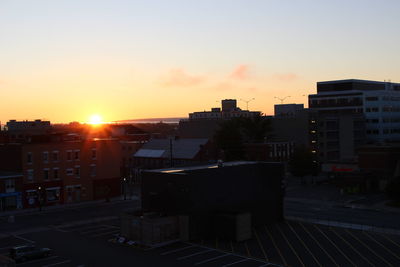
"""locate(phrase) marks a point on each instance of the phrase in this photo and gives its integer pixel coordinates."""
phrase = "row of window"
(384, 131)
(70, 155)
(54, 174)
(384, 109)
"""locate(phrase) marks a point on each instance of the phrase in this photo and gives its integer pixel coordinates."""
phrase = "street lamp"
(124, 188)
(39, 195)
(282, 98)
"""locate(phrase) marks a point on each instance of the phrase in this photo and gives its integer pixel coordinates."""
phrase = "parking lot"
(53, 260)
(292, 243)
(302, 244)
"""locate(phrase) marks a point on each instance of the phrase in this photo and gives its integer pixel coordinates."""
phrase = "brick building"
(65, 171)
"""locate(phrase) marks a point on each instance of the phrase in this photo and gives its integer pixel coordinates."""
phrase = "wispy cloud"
(286, 77)
(179, 77)
(241, 72)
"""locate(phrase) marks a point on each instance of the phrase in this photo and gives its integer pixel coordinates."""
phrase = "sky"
(66, 60)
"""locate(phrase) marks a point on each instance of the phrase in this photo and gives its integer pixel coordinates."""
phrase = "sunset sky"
(64, 60)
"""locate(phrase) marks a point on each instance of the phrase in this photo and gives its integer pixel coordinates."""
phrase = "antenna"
(281, 99)
(247, 102)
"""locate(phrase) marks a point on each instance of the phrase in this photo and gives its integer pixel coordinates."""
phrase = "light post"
(124, 188)
(39, 195)
(247, 102)
(282, 98)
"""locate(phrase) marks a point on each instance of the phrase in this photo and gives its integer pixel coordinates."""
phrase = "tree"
(302, 163)
(234, 133)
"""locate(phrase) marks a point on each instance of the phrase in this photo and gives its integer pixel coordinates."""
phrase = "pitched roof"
(185, 148)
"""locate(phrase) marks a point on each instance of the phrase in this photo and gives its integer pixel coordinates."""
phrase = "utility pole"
(247, 102)
(282, 99)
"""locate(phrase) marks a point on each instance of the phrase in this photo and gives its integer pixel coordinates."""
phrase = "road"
(45, 218)
(320, 210)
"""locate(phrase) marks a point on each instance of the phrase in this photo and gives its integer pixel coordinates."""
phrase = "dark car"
(28, 252)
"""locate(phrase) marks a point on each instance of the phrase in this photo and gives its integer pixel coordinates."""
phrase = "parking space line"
(224, 252)
(302, 242)
(110, 226)
(389, 239)
(57, 263)
(25, 239)
(211, 259)
(175, 250)
(352, 247)
(379, 243)
(235, 262)
(365, 245)
(105, 233)
(194, 254)
(319, 244)
(260, 244)
(233, 251)
(290, 245)
(216, 243)
(33, 261)
(277, 248)
(333, 243)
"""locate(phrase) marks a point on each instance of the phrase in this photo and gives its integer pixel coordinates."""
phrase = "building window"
(372, 98)
(70, 171)
(10, 185)
(29, 175)
(93, 170)
(76, 154)
(46, 174)
(55, 156)
(55, 174)
(94, 154)
(45, 156)
(77, 171)
(29, 157)
(69, 155)
(53, 194)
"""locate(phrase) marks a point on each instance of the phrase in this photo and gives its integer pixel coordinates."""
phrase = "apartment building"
(350, 113)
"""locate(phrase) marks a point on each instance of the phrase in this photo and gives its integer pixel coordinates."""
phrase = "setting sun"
(95, 119)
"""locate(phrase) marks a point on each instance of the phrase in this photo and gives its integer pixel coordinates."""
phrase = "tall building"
(352, 112)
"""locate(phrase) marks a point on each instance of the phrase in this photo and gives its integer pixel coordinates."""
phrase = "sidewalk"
(67, 206)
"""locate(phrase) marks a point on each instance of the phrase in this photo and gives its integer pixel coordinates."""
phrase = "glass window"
(46, 174)
(52, 195)
(45, 156)
(94, 154)
(29, 157)
(55, 155)
(70, 171)
(29, 175)
(93, 170)
(69, 155)
(55, 174)
(77, 171)
(76, 155)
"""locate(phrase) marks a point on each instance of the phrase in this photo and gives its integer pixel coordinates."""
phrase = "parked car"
(28, 252)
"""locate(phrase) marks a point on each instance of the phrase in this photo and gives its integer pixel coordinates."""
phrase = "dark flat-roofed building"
(204, 192)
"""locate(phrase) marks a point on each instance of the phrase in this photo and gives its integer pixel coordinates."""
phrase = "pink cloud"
(179, 77)
(241, 72)
(286, 77)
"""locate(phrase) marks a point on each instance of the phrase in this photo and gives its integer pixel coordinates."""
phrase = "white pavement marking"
(57, 263)
(105, 233)
(211, 259)
(194, 254)
(25, 239)
(235, 262)
(175, 250)
(44, 259)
